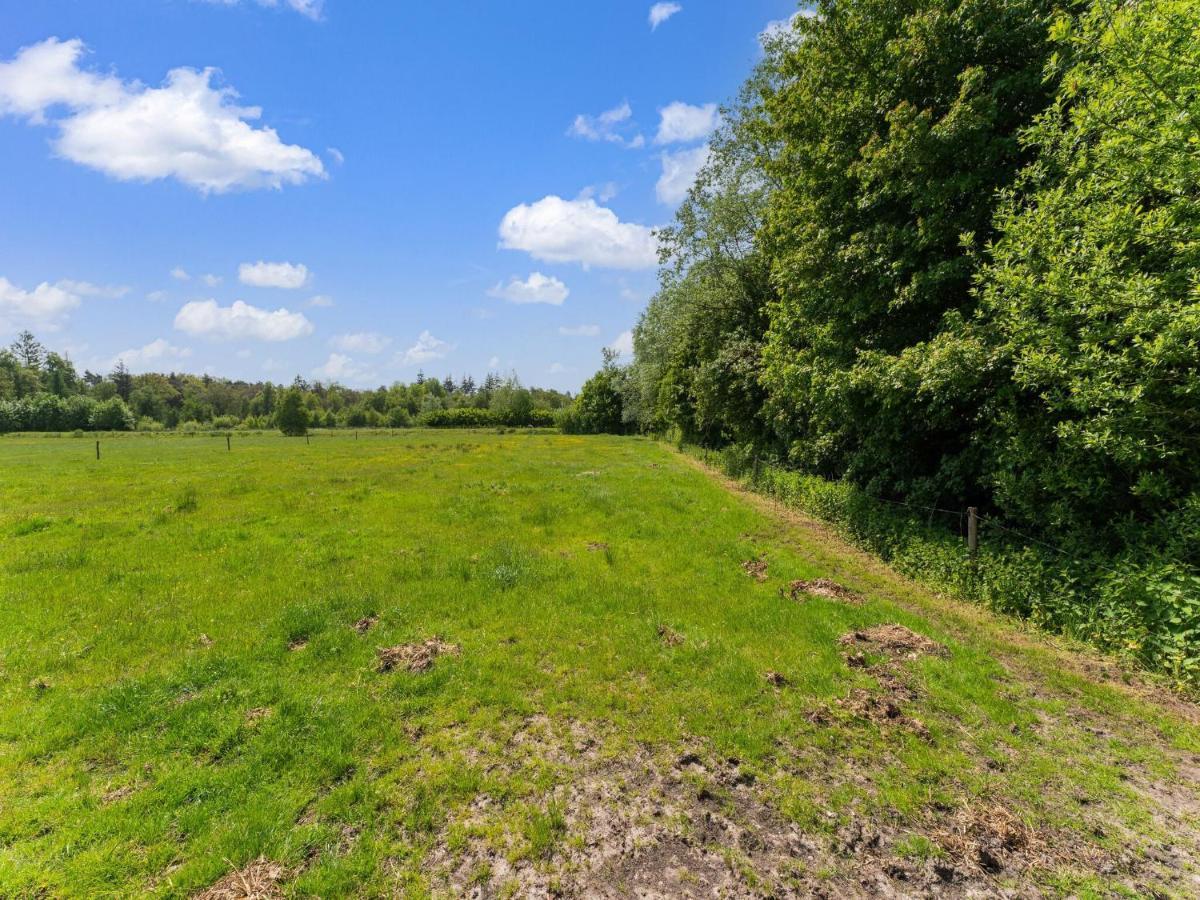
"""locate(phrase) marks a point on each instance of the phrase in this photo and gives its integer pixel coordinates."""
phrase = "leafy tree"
(1091, 302)
(292, 416)
(599, 409)
(121, 380)
(112, 415)
(895, 124)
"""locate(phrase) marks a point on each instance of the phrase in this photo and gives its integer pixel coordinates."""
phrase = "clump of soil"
(257, 881)
(597, 546)
(989, 838)
(116, 795)
(756, 568)
(205, 641)
(893, 639)
(365, 624)
(256, 715)
(670, 637)
(417, 657)
(298, 644)
(775, 679)
(822, 587)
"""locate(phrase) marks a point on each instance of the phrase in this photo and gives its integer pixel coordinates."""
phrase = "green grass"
(149, 601)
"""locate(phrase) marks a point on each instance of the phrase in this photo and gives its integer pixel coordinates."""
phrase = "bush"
(292, 417)
(459, 417)
(113, 415)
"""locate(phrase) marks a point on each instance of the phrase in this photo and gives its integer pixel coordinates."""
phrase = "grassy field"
(604, 683)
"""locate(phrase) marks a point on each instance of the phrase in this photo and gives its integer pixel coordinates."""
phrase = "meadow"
(529, 664)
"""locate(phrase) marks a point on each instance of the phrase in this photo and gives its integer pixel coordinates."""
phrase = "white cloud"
(557, 230)
(537, 288)
(660, 12)
(309, 8)
(156, 296)
(241, 322)
(679, 172)
(425, 349)
(336, 155)
(274, 275)
(180, 274)
(321, 300)
(361, 342)
(155, 353)
(87, 289)
(186, 129)
(494, 362)
(782, 28)
(623, 344)
(45, 304)
(615, 126)
(681, 122)
(579, 330)
(212, 280)
(602, 192)
(338, 367)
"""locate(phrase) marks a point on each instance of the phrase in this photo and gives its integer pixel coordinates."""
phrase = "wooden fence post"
(97, 449)
(228, 444)
(972, 532)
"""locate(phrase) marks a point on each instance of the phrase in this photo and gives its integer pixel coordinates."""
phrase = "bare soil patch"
(298, 644)
(670, 637)
(418, 657)
(365, 624)
(756, 568)
(597, 546)
(822, 587)
(256, 715)
(257, 881)
(893, 639)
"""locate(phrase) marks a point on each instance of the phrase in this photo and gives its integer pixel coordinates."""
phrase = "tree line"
(948, 251)
(41, 390)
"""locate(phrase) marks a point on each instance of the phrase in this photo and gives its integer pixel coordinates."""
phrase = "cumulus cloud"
(615, 126)
(660, 12)
(273, 275)
(581, 231)
(623, 344)
(537, 288)
(338, 367)
(681, 122)
(361, 342)
(782, 28)
(212, 280)
(241, 322)
(579, 330)
(186, 129)
(45, 304)
(309, 8)
(87, 289)
(679, 172)
(153, 354)
(425, 349)
(179, 273)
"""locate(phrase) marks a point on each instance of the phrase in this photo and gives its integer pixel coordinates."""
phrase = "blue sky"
(349, 190)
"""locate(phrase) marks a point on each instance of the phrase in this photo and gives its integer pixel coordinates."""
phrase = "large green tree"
(896, 122)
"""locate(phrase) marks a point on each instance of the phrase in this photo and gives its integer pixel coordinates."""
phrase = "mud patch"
(629, 825)
(822, 587)
(756, 568)
(257, 881)
(418, 657)
(669, 636)
(893, 639)
(365, 624)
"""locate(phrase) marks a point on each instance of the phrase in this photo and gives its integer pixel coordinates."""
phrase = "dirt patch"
(893, 639)
(365, 624)
(256, 715)
(115, 796)
(775, 679)
(756, 568)
(669, 636)
(630, 825)
(991, 839)
(597, 546)
(822, 587)
(418, 657)
(257, 881)
(205, 640)
(297, 644)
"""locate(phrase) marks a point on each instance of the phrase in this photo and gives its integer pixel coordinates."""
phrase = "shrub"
(113, 415)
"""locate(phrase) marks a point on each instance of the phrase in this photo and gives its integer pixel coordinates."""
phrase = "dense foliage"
(41, 391)
(947, 252)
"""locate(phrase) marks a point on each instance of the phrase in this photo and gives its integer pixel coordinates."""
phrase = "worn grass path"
(629, 701)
